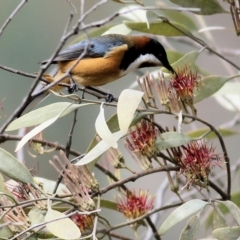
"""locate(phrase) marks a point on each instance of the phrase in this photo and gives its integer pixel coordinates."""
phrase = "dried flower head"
(141, 142)
(15, 218)
(133, 206)
(78, 180)
(197, 161)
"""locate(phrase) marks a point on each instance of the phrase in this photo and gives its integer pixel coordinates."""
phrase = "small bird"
(107, 58)
(104, 59)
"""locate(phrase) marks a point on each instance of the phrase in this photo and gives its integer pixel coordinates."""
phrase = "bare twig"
(12, 15)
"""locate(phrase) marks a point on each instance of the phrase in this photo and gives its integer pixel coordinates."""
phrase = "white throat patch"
(147, 58)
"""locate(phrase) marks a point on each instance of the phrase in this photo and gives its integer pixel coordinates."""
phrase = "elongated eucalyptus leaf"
(171, 139)
(64, 228)
(36, 216)
(102, 129)
(208, 86)
(191, 230)
(174, 16)
(218, 219)
(228, 233)
(208, 7)
(181, 213)
(201, 131)
(121, 28)
(3, 188)
(43, 114)
(127, 104)
(233, 209)
(14, 169)
(98, 150)
(173, 56)
(158, 28)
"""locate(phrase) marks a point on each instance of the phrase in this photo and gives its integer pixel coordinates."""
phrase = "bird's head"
(145, 52)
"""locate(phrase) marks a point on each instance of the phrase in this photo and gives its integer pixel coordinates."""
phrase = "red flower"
(197, 161)
(184, 84)
(133, 206)
(141, 143)
(84, 222)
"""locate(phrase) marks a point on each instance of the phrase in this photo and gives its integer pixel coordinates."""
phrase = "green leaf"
(211, 135)
(218, 219)
(188, 59)
(228, 233)
(208, 86)
(105, 203)
(173, 56)
(208, 7)
(43, 114)
(36, 216)
(191, 230)
(234, 210)
(235, 197)
(181, 213)
(3, 188)
(230, 88)
(175, 16)
(171, 139)
(63, 228)
(15, 170)
(158, 28)
(5, 232)
(120, 28)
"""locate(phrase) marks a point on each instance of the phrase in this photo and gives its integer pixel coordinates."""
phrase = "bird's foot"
(74, 87)
(109, 98)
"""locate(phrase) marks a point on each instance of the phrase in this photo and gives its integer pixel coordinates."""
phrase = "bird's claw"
(109, 98)
(73, 88)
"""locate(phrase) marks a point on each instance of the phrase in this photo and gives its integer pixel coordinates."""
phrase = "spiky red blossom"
(184, 83)
(133, 206)
(84, 222)
(142, 138)
(141, 143)
(197, 161)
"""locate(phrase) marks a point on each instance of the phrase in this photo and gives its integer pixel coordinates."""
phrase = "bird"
(107, 58)
(103, 59)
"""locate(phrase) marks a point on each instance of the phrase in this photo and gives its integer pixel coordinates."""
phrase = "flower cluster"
(141, 142)
(133, 206)
(84, 222)
(197, 161)
(175, 95)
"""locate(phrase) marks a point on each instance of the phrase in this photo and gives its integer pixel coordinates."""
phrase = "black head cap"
(154, 47)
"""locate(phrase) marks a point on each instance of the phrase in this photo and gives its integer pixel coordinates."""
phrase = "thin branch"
(12, 15)
(135, 176)
(68, 148)
(153, 227)
(128, 223)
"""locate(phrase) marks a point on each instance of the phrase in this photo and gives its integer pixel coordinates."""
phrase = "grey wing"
(92, 48)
